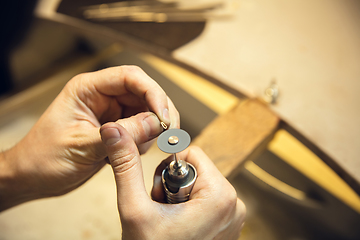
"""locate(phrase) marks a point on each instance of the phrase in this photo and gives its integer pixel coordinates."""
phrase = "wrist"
(14, 188)
(8, 186)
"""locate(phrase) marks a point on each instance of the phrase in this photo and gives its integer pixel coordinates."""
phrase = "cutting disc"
(182, 138)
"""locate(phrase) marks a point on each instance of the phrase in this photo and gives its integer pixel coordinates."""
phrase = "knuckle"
(228, 212)
(76, 82)
(131, 68)
(227, 207)
(195, 149)
(229, 203)
(241, 210)
(79, 77)
(124, 162)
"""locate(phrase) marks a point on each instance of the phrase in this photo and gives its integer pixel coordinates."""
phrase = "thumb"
(126, 163)
(142, 127)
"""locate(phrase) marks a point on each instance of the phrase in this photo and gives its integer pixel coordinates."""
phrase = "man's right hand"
(212, 212)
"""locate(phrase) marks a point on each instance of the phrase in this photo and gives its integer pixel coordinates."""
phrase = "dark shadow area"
(15, 19)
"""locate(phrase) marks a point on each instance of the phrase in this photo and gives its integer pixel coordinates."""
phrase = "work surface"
(312, 51)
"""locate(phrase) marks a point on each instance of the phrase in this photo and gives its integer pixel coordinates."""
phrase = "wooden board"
(238, 135)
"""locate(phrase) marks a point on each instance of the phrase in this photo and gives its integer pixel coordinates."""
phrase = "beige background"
(311, 49)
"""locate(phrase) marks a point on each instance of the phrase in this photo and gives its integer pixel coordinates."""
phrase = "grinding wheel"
(165, 143)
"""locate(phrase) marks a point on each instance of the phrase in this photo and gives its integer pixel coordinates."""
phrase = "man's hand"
(212, 212)
(64, 149)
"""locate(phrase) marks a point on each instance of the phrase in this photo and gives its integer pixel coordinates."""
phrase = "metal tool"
(178, 177)
(160, 11)
(271, 93)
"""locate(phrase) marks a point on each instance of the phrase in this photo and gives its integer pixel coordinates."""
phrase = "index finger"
(119, 80)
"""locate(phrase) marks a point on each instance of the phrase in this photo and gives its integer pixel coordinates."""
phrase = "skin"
(64, 149)
(212, 212)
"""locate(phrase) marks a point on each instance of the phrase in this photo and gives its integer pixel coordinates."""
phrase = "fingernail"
(166, 116)
(152, 125)
(110, 136)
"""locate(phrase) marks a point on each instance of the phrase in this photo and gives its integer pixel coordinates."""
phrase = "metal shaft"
(176, 160)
